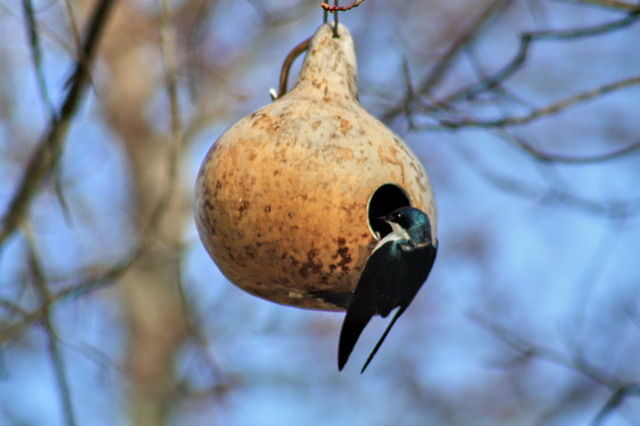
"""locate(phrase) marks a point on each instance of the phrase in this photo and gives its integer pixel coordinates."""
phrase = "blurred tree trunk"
(150, 289)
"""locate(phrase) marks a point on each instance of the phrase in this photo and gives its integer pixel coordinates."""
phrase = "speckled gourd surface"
(282, 196)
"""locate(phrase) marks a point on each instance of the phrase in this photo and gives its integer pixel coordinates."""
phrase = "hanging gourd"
(288, 198)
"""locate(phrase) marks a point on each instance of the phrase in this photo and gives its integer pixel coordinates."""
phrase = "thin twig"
(567, 159)
(73, 27)
(620, 389)
(409, 92)
(526, 41)
(46, 156)
(36, 55)
(612, 4)
(501, 92)
(531, 350)
(616, 399)
(83, 286)
(168, 41)
(467, 37)
(548, 110)
(42, 289)
(440, 69)
(194, 326)
(611, 209)
(13, 308)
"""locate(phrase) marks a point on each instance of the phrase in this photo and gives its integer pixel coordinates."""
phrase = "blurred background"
(525, 113)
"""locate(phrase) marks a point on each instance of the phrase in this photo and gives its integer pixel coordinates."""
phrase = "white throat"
(397, 233)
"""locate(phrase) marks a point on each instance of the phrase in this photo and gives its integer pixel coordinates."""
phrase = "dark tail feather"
(354, 323)
(384, 336)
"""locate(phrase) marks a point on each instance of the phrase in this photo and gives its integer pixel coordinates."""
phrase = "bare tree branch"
(94, 281)
(83, 286)
(620, 389)
(612, 4)
(526, 40)
(514, 65)
(567, 159)
(47, 154)
(466, 37)
(618, 396)
(548, 110)
(611, 209)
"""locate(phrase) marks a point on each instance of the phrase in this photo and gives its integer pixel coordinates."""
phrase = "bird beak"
(384, 219)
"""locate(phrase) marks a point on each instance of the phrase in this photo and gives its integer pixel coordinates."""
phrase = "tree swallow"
(394, 272)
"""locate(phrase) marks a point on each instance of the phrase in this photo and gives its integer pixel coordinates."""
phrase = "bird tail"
(384, 336)
(354, 322)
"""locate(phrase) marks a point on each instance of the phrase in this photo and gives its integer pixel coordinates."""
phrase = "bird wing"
(430, 257)
(373, 295)
(385, 284)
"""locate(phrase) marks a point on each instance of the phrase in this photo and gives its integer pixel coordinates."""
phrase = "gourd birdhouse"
(287, 199)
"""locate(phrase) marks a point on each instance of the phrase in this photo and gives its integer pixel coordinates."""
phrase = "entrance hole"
(383, 201)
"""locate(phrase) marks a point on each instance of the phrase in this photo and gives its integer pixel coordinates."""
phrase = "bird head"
(409, 223)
